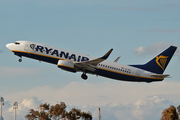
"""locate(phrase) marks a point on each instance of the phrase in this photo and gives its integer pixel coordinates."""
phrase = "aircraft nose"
(9, 46)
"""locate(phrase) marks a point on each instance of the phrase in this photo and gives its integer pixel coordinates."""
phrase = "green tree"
(86, 116)
(73, 114)
(57, 112)
(169, 114)
(41, 113)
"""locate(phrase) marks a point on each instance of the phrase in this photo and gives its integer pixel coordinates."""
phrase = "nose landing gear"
(84, 76)
(20, 59)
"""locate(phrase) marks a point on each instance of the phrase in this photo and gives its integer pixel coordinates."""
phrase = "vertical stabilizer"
(159, 63)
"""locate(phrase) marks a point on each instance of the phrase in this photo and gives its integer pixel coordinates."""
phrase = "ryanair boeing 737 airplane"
(74, 62)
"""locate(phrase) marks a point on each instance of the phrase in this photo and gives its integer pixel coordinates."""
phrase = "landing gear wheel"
(20, 60)
(84, 76)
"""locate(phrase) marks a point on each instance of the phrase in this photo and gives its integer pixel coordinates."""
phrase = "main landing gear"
(84, 76)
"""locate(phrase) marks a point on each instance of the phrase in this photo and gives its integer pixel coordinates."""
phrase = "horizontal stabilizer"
(159, 75)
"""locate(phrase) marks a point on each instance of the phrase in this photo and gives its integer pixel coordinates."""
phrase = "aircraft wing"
(91, 65)
(159, 75)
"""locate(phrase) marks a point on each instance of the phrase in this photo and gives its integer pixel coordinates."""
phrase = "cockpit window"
(17, 43)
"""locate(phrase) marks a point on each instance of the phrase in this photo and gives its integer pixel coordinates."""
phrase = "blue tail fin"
(159, 63)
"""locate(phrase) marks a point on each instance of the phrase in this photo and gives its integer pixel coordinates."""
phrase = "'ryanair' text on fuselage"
(61, 54)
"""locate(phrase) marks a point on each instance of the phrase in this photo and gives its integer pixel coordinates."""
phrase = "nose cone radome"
(9, 46)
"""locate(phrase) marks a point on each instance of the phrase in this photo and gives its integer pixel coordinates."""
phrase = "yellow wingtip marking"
(108, 52)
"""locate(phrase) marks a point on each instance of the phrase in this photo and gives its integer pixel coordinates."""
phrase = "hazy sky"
(136, 30)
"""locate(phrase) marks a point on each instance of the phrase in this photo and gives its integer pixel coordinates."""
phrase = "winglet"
(107, 54)
(116, 60)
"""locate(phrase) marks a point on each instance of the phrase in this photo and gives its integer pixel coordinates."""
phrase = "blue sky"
(90, 27)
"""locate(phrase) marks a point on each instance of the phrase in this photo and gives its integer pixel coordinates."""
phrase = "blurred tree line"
(57, 112)
(171, 113)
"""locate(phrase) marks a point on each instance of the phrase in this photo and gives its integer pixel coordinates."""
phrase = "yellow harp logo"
(161, 61)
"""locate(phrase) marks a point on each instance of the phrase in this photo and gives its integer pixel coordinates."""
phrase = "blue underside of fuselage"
(118, 76)
(100, 72)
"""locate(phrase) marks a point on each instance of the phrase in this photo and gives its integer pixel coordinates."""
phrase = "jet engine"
(66, 65)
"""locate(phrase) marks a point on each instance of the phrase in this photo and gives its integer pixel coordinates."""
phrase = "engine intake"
(66, 65)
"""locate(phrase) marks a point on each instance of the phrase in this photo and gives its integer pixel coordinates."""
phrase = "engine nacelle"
(66, 65)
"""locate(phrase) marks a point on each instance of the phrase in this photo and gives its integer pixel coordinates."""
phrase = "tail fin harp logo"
(161, 61)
